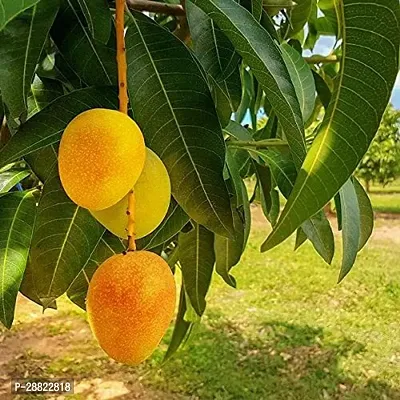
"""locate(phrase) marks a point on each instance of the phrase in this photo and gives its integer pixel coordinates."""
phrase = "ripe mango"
(130, 304)
(152, 198)
(101, 156)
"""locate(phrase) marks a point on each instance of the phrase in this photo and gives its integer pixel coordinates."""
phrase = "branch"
(123, 106)
(317, 59)
(261, 144)
(156, 7)
(183, 31)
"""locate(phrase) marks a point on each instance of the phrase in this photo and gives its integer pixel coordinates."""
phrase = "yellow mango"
(101, 156)
(152, 198)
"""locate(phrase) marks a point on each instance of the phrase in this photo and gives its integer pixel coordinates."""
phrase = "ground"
(287, 333)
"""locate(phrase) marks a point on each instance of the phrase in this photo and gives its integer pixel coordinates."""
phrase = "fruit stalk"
(123, 105)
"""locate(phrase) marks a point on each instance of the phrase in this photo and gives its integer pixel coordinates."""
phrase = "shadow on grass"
(279, 361)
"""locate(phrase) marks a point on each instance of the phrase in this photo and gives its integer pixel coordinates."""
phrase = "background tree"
(190, 67)
(381, 163)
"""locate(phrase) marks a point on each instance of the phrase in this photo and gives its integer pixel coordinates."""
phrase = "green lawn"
(385, 202)
(288, 332)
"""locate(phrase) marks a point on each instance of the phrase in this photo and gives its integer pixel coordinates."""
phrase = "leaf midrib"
(177, 124)
(90, 43)
(26, 56)
(62, 248)
(327, 129)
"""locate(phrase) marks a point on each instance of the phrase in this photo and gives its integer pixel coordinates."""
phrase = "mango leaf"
(227, 96)
(10, 9)
(218, 58)
(107, 246)
(247, 98)
(197, 264)
(21, 43)
(257, 9)
(350, 227)
(323, 90)
(42, 162)
(173, 106)
(17, 216)
(354, 114)
(317, 228)
(171, 225)
(299, 15)
(43, 92)
(302, 79)
(301, 238)
(366, 214)
(93, 61)
(64, 238)
(98, 18)
(263, 56)
(328, 24)
(45, 128)
(264, 179)
(338, 209)
(182, 327)
(228, 252)
(28, 288)
(274, 6)
(213, 49)
(10, 178)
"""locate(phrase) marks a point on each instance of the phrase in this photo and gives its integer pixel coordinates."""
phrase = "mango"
(130, 304)
(101, 157)
(152, 198)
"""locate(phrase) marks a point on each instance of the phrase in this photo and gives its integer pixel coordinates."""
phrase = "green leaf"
(264, 179)
(228, 252)
(64, 238)
(171, 225)
(247, 97)
(106, 247)
(263, 56)
(182, 327)
(10, 178)
(17, 216)
(301, 237)
(173, 106)
(42, 162)
(45, 128)
(317, 228)
(366, 214)
(98, 18)
(43, 92)
(299, 15)
(197, 264)
(21, 43)
(11, 8)
(227, 96)
(93, 61)
(351, 227)
(274, 6)
(338, 209)
(28, 288)
(323, 90)
(213, 49)
(218, 58)
(257, 9)
(302, 79)
(355, 111)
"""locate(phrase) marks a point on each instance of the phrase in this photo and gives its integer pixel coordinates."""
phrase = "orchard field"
(287, 332)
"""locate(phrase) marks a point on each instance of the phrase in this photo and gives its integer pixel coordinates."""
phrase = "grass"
(385, 202)
(288, 332)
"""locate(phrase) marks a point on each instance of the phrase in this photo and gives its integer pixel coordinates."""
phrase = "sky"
(324, 47)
